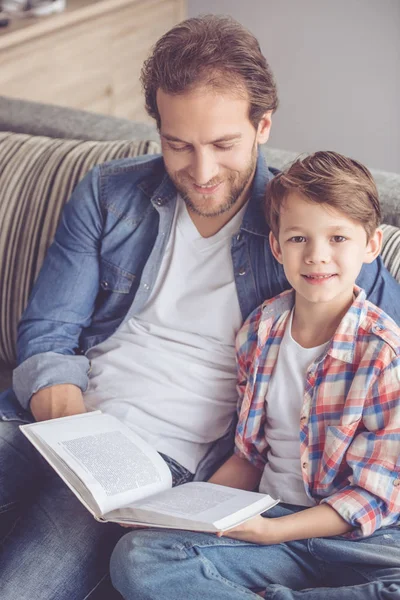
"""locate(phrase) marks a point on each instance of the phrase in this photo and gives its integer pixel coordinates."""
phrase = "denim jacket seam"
(110, 168)
(117, 269)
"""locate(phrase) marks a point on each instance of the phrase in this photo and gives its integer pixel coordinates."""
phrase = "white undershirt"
(282, 476)
(169, 373)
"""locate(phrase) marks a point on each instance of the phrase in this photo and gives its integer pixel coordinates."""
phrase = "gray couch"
(30, 121)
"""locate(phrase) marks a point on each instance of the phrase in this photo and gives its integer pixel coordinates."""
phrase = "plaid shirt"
(350, 417)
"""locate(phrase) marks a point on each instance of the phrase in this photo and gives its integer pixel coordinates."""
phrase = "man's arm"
(60, 306)
(57, 401)
(381, 288)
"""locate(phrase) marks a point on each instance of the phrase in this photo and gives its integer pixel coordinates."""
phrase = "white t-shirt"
(282, 477)
(169, 372)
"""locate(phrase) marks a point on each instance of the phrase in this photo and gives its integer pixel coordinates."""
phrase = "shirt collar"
(254, 219)
(342, 345)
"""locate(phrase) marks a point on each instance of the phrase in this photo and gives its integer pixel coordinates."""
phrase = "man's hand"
(258, 530)
(57, 401)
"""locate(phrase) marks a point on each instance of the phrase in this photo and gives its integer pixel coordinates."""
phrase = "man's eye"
(224, 147)
(297, 239)
(338, 239)
(178, 148)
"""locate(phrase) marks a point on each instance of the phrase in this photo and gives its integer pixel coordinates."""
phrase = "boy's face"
(322, 250)
(210, 148)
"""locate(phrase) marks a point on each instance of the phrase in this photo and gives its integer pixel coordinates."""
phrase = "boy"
(319, 419)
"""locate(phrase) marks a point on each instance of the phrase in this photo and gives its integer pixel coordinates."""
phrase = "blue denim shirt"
(102, 266)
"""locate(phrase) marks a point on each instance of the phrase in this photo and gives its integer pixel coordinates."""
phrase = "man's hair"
(331, 179)
(214, 51)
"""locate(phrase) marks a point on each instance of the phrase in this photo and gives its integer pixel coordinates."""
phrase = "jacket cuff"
(47, 369)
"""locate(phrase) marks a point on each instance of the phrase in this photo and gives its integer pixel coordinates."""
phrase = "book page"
(115, 464)
(198, 506)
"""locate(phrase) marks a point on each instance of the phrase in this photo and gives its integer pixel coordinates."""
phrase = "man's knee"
(18, 465)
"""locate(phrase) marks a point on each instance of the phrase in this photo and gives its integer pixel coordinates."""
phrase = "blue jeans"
(159, 565)
(51, 548)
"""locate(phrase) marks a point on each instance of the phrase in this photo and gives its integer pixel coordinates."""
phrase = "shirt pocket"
(333, 466)
(114, 296)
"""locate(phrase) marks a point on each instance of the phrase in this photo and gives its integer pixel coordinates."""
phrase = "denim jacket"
(103, 264)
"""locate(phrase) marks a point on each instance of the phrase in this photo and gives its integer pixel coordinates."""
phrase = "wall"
(337, 65)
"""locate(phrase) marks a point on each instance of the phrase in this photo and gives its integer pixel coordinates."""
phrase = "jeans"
(51, 548)
(154, 565)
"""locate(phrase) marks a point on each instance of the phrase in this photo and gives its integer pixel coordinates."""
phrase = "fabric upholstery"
(391, 249)
(37, 177)
(35, 118)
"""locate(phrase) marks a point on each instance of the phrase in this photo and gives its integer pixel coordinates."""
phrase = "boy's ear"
(275, 247)
(374, 246)
(264, 127)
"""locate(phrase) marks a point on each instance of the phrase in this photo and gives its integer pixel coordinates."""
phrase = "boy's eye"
(297, 239)
(339, 238)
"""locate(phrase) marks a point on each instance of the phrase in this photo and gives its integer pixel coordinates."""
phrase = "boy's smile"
(322, 251)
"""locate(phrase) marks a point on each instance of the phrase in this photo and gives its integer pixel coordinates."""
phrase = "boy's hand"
(259, 530)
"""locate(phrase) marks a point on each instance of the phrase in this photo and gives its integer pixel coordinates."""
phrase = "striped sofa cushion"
(391, 249)
(37, 176)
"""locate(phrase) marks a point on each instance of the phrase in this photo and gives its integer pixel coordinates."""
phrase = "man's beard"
(235, 193)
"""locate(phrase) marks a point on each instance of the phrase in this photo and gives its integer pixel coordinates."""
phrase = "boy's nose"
(318, 253)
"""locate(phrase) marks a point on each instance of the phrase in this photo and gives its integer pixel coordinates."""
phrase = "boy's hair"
(210, 50)
(327, 178)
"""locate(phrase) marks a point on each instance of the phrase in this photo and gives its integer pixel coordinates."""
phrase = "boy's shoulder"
(379, 324)
(258, 324)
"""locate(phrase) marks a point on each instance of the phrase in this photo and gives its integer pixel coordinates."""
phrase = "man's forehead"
(229, 137)
(202, 116)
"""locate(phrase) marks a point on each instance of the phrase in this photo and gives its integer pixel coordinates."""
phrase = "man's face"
(210, 148)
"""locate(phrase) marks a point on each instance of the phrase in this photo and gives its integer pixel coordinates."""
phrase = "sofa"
(44, 151)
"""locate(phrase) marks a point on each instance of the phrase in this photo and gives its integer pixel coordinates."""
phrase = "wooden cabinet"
(87, 57)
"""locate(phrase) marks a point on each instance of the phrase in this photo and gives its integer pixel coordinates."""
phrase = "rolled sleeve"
(47, 369)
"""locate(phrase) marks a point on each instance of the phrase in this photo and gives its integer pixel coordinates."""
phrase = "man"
(126, 315)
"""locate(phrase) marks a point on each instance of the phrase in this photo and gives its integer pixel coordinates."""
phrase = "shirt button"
(238, 237)
(159, 201)
(242, 271)
(304, 465)
(146, 286)
(104, 284)
(396, 482)
(303, 419)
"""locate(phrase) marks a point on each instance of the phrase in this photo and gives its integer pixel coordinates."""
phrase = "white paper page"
(201, 502)
(115, 464)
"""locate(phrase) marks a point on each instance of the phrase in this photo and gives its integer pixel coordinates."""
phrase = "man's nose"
(317, 252)
(204, 167)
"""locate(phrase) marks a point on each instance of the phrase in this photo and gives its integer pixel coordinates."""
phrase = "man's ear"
(264, 127)
(275, 247)
(374, 246)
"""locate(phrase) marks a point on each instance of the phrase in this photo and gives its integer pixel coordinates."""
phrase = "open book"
(121, 478)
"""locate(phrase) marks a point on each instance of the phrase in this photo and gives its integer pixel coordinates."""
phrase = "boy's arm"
(237, 472)
(318, 521)
(374, 492)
